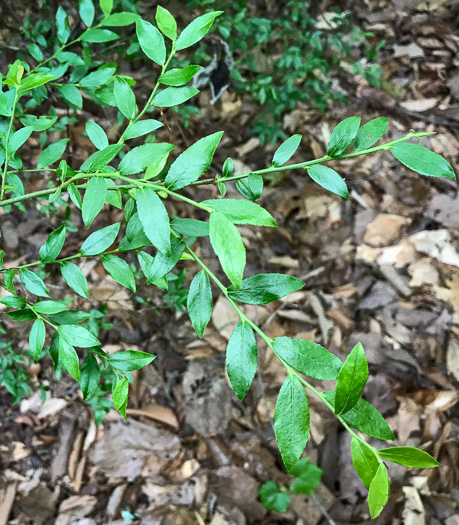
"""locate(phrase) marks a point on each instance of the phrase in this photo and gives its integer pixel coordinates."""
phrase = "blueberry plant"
(139, 179)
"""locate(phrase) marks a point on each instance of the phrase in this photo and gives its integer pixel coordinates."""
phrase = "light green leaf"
(33, 283)
(98, 160)
(120, 393)
(49, 307)
(99, 35)
(228, 246)
(151, 41)
(251, 188)
(240, 211)
(307, 476)
(422, 160)
(78, 336)
(36, 52)
(62, 25)
(89, 376)
(191, 227)
(272, 498)
(18, 138)
(71, 95)
(163, 263)
(137, 160)
(119, 271)
(100, 240)
(97, 78)
(124, 18)
(265, 288)
(70, 317)
(96, 135)
(328, 179)
(38, 124)
(351, 380)
(365, 461)
(93, 200)
(53, 245)
(87, 11)
(193, 162)
(291, 421)
(125, 98)
(52, 153)
(370, 133)
(241, 359)
(342, 136)
(409, 457)
(199, 302)
(74, 195)
(308, 358)
(13, 302)
(69, 358)
(378, 493)
(106, 6)
(37, 338)
(143, 127)
(174, 96)
(196, 30)
(179, 77)
(154, 218)
(286, 150)
(130, 360)
(166, 22)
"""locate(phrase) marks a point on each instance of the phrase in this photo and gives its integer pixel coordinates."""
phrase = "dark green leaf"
(241, 359)
(98, 160)
(9, 277)
(70, 317)
(196, 30)
(99, 35)
(136, 160)
(78, 336)
(119, 271)
(154, 218)
(409, 457)
(49, 307)
(130, 360)
(307, 476)
(351, 380)
(272, 498)
(174, 96)
(37, 338)
(163, 263)
(179, 77)
(87, 11)
(308, 358)
(53, 245)
(52, 153)
(74, 277)
(286, 150)
(166, 22)
(96, 135)
(62, 25)
(240, 211)
(33, 283)
(18, 138)
(151, 41)
(342, 136)
(370, 133)
(378, 493)
(291, 421)
(120, 393)
(252, 187)
(93, 200)
(328, 179)
(228, 246)
(100, 240)
(199, 302)
(125, 98)
(89, 376)
(74, 195)
(265, 288)
(365, 461)
(69, 358)
(191, 227)
(97, 78)
(143, 127)
(25, 314)
(422, 160)
(36, 52)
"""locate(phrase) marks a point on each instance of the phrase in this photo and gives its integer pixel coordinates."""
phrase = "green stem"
(7, 139)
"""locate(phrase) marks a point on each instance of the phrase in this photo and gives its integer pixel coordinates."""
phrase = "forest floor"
(381, 268)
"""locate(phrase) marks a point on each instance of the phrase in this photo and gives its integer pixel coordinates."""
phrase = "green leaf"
(228, 247)
(38, 124)
(87, 11)
(365, 418)
(378, 494)
(370, 133)
(137, 160)
(18, 138)
(71, 95)
(174, 96)
(52, 153)
(179, 77)
(291, 421)
(13, 302)
(351, 380)
(70, 317)
(422, 160)
(24, 314)
(154, 218)
(365, 461)
(78, 336)
(74, 195)
(49, 307)
(409, 457)
(166, 22)
(96, 135)
(36, 52)
(163, 263)
(120, 393)
(342, 136)
(241, 359)
(196, 30)
(100, 159)
(37, 338)
(33, 283)
(124, 18)
(5, 105)
(53, 245)
(97, 78)
(252, 187)
(106, 6)
(62, 25)
(119, 271)
(99, 35)
(151, 41)
(193, 162)
(74, 277)
(9, 277)
(308, 477)
(191, 227)
(240, 211)
(124, 98)
(143, 127)
(100, 240)
(89, 376)
(130, 360)
(265, 288)
(94, 199)
(308, 358)
(199, 302)
(286, 150)
(272, 498)
(328, 179)
(69, 358)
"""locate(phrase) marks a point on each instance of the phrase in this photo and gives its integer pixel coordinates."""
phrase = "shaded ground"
(381, 268)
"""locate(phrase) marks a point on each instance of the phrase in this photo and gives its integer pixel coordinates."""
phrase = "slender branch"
(7, 143)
